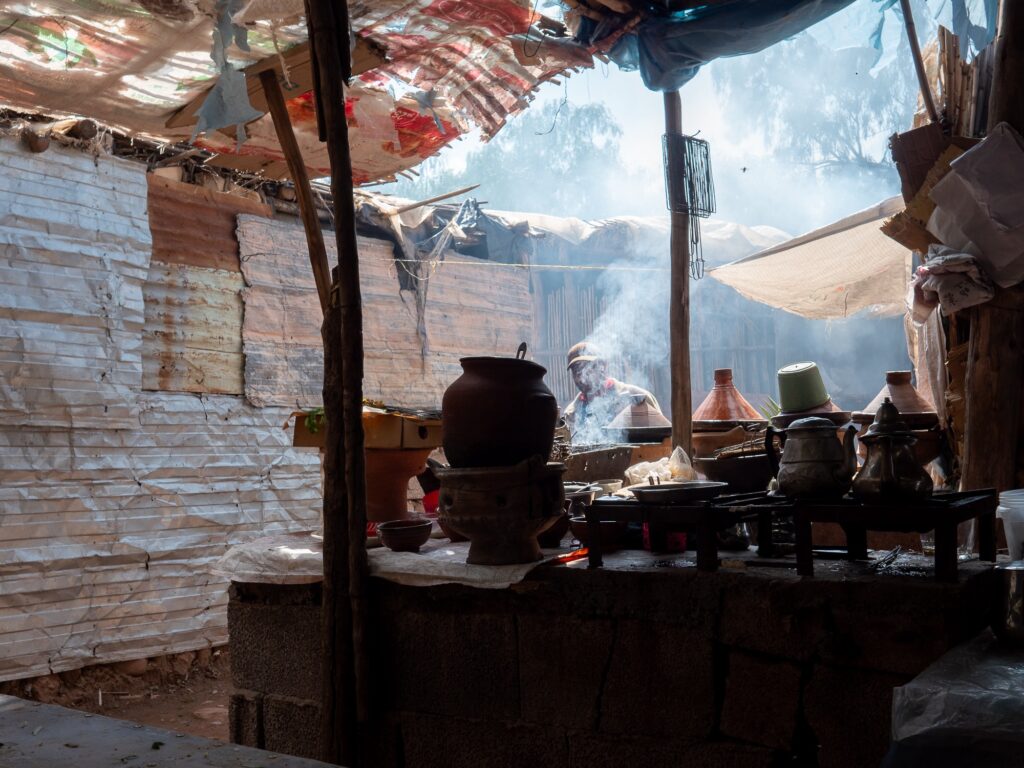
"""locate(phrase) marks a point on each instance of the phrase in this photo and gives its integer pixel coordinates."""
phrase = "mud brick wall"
(653, 667)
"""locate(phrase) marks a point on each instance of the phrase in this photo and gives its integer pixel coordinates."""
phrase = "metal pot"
(815, 464)
(1008, 623)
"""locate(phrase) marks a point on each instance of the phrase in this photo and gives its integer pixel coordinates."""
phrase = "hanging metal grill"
(693, 190)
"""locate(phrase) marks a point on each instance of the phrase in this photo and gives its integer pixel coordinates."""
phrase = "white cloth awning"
(833, 272)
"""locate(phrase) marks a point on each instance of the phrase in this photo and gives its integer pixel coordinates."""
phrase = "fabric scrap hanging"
(228, 102)
(689, 188)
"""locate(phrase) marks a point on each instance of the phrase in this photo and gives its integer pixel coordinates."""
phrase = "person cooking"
(601, 397)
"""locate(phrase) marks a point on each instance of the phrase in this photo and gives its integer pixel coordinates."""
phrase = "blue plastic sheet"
(669, 50)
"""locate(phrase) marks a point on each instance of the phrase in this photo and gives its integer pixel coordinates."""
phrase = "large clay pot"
(388, 471)
(917, 412)
(725, 403)
(497, 413)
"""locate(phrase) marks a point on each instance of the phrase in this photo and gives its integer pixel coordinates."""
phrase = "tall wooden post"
(679, 292)
(344, 710)
(995, 362)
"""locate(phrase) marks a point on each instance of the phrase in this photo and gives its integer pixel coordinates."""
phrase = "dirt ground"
(185, 692)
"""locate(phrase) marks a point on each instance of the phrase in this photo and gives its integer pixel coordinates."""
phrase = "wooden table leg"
(945, 552)
(986, 525)
(765, 545)
(856, 542)
(804, 544)
(707, 546)
(595, 558)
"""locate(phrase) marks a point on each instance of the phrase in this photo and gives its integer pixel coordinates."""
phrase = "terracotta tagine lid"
(725, 403)
(915, 410)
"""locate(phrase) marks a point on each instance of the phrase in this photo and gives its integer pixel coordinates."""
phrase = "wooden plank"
(175, 210)
(995, 364)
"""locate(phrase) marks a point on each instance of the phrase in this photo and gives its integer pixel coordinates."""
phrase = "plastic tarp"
(833, 272)
(670, 50)
(963, 710)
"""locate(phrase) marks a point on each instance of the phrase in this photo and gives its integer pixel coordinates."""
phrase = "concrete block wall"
(656, 667)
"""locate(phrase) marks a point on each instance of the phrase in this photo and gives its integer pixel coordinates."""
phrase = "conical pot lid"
(916, 411)
(642, 414)
(724, 402)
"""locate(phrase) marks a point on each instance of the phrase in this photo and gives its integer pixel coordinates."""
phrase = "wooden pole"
(679, 292)
(297, 170)
(345, 692)
(915, 52)
(995, 361)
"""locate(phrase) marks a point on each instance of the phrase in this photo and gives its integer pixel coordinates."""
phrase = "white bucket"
(1013, 527)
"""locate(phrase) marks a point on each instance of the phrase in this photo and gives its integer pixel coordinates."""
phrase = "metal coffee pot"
(815, 463)
(891, 471)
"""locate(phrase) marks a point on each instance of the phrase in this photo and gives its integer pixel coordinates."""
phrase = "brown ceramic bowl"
(612, 532)
(404, 535)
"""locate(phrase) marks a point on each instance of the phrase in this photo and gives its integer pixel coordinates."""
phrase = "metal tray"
(679, 493)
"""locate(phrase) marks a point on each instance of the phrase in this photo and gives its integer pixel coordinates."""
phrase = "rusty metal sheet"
(74, 250)
(192, 341)
(194, 225)
(106, 536)
(474, 307)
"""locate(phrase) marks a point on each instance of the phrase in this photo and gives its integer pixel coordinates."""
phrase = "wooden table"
(941, 513)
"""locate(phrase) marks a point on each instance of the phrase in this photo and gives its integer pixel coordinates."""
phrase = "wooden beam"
(679, 292)
(303, 191)
(345, 692)
(367, 55)
(995, 359)
(915, 52)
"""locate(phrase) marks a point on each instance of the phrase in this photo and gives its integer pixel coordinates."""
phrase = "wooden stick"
(679, 292)
(915, 50)
(436, 199)
(303, 192)
(346, 694)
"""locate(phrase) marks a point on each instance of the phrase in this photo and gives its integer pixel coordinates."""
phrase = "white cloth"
(948, 278)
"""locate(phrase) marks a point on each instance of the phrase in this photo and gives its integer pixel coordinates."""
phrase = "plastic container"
(1011, 512)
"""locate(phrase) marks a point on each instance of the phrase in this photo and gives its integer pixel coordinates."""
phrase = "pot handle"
(769, 447)
(521, 352)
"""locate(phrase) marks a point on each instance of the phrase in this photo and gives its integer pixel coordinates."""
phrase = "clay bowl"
(404, 535)
(612, 532)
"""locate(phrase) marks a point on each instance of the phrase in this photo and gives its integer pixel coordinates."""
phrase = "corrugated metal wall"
(473, 308)
(114, 500)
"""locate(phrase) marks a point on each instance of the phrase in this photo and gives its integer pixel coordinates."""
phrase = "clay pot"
(724, 402)
(388, 471)
(497, 413)
(404, 535)
(917, 412)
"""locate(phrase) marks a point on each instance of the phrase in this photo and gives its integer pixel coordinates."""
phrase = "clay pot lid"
(916, 411)
(503, 364)
(812, 422)
(724, 401)
(888, 423)
(642, 414)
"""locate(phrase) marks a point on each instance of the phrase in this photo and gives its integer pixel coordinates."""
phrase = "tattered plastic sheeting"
(106, 537)
(133, 65)
(832, 272)
(75, 241)
(386, 134)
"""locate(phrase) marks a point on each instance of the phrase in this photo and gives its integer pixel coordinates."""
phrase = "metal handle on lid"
(521, 352)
